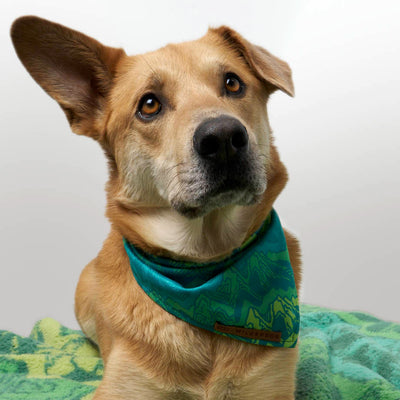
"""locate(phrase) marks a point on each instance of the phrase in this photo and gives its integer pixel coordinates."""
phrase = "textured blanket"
(344, 356)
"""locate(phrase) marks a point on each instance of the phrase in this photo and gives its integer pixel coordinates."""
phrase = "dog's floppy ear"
(74, 69)
(275, 73)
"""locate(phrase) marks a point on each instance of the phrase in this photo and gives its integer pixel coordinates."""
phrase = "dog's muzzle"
(226, 169)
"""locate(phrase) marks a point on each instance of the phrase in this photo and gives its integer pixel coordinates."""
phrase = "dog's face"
(184, 127)
(197, 131)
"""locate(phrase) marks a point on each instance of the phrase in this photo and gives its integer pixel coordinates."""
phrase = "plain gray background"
(339, 138)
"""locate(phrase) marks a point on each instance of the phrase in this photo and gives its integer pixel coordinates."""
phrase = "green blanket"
(344, 356)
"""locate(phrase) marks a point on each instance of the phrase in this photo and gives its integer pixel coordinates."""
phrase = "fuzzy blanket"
(343, 356)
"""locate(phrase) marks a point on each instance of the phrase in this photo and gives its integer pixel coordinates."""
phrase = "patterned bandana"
(249, 296)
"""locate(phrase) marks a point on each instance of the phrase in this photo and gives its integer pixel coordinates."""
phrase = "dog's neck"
(162, 231)
(165, 232)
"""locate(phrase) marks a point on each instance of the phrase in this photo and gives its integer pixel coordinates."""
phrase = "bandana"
(249, 296)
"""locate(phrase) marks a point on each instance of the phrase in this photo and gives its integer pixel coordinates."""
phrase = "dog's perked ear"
(275, 73)
(74, 69)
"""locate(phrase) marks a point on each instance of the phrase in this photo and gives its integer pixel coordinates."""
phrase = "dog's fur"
(159, 199)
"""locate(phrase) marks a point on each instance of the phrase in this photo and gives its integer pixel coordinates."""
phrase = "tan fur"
(147, 352)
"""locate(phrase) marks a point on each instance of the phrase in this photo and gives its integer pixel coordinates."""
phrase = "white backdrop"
(339, 138)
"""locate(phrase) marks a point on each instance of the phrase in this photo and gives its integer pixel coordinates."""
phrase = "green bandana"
(249, 296)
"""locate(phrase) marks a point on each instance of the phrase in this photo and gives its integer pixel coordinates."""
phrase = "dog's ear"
(275, 73)
(74, 69)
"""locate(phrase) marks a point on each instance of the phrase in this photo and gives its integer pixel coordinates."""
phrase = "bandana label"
(248, 332)
(249, 296)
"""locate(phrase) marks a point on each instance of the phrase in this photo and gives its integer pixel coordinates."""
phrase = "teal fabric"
(347, 356)
(253, 288)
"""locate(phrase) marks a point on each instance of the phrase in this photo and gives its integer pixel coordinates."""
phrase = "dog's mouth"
(213, 202)
(204, 188)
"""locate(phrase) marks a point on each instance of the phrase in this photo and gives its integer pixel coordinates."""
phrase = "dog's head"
(184, 127)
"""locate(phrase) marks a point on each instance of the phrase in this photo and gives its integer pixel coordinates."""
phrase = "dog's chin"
(200, 207)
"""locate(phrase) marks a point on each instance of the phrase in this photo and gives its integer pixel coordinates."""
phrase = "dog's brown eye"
(233, 84)
(149, 106)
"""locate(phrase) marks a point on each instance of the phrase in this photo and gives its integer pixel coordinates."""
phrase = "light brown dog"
(174, 190)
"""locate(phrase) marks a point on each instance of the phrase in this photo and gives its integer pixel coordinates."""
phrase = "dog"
(193, 173)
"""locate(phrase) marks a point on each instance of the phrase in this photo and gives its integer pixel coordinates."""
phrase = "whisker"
(176, 176)
(176, 165)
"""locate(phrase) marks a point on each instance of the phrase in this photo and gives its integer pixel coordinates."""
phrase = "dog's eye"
(149, 106)
(233, 84)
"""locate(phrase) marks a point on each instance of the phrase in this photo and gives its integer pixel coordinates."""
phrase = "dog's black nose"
(220, 139)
